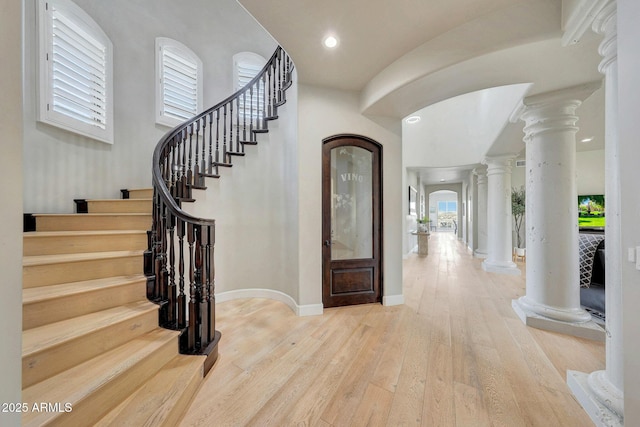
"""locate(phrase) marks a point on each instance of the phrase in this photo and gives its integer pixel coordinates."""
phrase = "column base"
(601, 400)
(480, 253)
(569, 321)
(501, 267)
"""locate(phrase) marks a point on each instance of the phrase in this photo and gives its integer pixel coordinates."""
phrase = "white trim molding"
(299, 310)
(390, 300)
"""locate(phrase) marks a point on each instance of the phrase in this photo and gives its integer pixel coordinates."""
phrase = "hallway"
(454, 355)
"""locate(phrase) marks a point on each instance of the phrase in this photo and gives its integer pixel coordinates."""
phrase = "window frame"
(82, 23)
(178, 49)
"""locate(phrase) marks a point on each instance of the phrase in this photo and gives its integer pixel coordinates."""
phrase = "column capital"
(577, 17)
(554, 111)
(479, 171)
(606, 23)
(498, 164)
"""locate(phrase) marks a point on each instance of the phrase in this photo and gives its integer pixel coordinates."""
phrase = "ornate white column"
(552, 299)
(481, 222)
(601, 392)
(499, 244)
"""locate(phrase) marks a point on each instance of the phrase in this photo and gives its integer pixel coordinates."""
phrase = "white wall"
(255, 204)
(61, 165)
(590, 172)
(629, 129)
(323, 113)
(11, 207)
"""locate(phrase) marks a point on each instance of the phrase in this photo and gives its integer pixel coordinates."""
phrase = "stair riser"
(79, 222)
(53, 245)
(43, 364)
(143, 193)
(118, 206)
(66, 307)
(66, 272)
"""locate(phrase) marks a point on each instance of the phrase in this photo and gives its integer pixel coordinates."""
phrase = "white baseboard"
(299, 310)
(393, 300)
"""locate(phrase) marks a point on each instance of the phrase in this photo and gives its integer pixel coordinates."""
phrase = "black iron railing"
(179, 262)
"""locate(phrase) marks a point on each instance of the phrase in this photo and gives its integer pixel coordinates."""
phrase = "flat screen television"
(591, 212)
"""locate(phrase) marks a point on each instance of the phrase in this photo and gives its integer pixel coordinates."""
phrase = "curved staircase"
(119, 299)
(93, 353)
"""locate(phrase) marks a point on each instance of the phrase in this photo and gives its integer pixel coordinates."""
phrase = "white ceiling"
(405, 55)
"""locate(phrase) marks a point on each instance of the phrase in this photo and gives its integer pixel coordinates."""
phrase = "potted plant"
(518, 209)
(423, 224)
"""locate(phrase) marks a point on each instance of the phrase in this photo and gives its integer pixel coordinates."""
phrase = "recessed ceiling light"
(413, 119)
(330, 42)
(587, 139)
(442, 180)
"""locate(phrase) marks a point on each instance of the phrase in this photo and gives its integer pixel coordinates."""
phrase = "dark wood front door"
(351, 221)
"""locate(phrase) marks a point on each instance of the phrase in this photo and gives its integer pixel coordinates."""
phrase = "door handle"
(327, 243)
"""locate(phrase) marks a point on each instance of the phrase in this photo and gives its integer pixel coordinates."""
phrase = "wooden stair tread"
(85, 215)
(82, 381)
(42, 293)
(88, 233)
(162, 400)
(42, 337)
(33, 260)
(141, 199)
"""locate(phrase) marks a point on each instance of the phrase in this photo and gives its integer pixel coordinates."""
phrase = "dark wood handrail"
(179, 260)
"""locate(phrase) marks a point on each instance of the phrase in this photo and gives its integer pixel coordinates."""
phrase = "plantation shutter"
(79, 73)
(246, 72)
(179, 85)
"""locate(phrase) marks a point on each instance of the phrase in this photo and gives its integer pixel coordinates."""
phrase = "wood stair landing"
(90, 336)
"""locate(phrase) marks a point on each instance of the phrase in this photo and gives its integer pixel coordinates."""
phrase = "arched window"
(178, 82)
(75, 71)
(246, 65)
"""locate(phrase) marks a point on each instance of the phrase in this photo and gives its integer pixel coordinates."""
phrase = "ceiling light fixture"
(330, 42)
(413, 119)
(587, 139)
(442, 180)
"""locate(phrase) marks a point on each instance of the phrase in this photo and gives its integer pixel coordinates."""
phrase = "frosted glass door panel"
(351, 203)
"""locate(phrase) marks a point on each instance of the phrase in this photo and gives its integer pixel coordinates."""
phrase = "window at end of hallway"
(75, 71)
(178, 82)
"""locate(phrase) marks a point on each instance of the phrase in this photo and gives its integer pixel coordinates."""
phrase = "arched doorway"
(351, 220)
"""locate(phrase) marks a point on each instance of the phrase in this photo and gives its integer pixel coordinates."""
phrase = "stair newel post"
(193, 292)
(200, 279)
(210, 162)
(211, 273)
(181, 300)
(149, 256)
(171, 311)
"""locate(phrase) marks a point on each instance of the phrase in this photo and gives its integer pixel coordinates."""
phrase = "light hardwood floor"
(454, 355)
